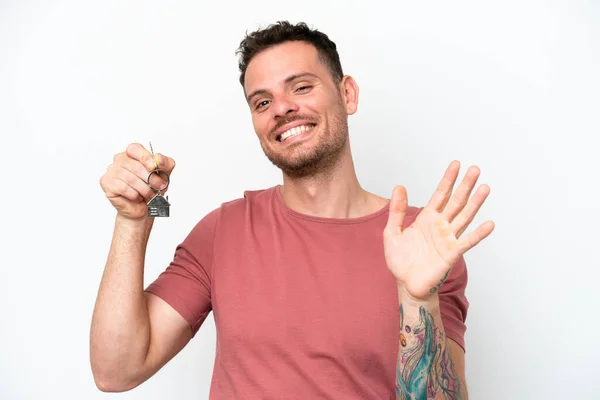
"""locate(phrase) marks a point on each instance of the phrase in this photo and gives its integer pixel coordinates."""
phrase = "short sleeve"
(186, 283)
(454, 304)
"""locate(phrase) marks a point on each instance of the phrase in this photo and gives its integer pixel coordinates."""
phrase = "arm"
(421, 257)
(133, 334)
(430, 365)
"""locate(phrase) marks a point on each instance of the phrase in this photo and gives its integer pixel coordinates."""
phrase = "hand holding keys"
(136, 181)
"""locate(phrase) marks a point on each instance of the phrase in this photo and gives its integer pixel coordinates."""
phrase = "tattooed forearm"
(425, 369)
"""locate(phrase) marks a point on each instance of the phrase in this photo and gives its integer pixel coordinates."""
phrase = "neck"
(331, 193)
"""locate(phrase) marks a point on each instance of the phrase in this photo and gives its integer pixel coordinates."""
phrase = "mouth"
(293, 132)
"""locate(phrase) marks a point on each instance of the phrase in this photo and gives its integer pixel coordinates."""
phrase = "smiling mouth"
(294, 132)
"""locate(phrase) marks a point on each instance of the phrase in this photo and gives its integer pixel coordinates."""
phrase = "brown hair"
(283, 31)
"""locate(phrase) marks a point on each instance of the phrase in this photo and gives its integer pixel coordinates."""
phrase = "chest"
(307, 291)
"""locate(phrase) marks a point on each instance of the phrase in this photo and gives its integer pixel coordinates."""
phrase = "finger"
(120, 202)
(472, 239)
(461, 196)
(137, 184)
(139, 153)
(164, 162)
(398, 206)
(465, 217)
(158, 181)
(140, 171)
(115, 187)
(444, 190)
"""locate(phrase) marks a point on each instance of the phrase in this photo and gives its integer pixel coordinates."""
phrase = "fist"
(125, 182)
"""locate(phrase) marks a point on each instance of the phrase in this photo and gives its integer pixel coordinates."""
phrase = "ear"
(349, 91)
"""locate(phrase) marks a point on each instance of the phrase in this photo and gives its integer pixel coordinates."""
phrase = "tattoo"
(425, 369)
(401, 316)
(437, 287)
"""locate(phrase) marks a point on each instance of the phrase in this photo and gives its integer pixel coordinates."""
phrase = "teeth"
(295, 131)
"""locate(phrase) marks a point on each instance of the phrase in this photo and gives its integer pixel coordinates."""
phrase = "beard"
(297, 161)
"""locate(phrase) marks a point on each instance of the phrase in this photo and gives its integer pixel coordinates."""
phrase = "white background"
(510, 86)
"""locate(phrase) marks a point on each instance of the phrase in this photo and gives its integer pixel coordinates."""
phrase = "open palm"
(422, 255)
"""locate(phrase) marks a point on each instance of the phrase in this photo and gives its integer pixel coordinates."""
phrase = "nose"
(283, 106)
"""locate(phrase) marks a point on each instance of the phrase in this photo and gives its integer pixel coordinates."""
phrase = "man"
(320, 289)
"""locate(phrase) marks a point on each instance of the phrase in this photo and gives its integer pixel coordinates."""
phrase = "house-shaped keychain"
(158, 206)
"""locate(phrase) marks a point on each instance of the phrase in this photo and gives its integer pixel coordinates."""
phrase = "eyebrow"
(286, 81)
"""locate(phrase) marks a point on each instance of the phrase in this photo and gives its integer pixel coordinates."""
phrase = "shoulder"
(251, 200)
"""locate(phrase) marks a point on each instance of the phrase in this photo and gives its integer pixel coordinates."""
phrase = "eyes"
(301, 90)
(261, 104)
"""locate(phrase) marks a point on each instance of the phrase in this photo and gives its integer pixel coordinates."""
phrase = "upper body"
(304, 306)
(293, 281)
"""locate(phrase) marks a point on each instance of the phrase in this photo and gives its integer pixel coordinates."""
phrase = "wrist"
(404, 297)
(142, 224)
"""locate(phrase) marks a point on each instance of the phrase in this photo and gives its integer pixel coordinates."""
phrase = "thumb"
(164, 162)
(398, 206)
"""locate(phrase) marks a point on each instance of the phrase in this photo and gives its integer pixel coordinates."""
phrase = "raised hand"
(422, 255)
(125, 182)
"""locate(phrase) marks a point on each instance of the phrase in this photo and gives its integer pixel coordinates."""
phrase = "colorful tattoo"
(425, 368)
(402, 340)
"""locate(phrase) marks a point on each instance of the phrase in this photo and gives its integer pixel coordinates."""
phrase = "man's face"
(298, 112)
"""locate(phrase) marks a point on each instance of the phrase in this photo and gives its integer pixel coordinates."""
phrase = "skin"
(132, 334)
(319, 179)
(318, 172)
(421, 256)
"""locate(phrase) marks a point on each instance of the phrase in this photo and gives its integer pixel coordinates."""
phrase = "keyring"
(157, 173)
